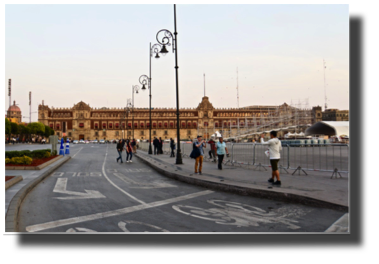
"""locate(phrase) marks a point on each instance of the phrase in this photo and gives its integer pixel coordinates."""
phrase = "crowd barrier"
(299, 157)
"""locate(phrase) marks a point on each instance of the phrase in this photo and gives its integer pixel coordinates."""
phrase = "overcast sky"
(95, 53)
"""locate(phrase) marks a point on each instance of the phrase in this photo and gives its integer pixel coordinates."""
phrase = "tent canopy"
(329, 128)
(216, 134)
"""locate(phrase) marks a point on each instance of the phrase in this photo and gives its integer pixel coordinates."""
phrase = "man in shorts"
(274, 147)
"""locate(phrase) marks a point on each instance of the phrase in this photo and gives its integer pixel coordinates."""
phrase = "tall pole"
(30, 107)
(150, 124)
(178, 153)
(10, 92)
(133, 111)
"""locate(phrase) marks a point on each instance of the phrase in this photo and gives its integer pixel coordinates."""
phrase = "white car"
(81, 141)
(95, 141)
(87, 142)
(102, 141)
(75, 142)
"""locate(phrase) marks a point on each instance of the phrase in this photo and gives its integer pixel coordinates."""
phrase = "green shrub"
(7, 160)
(54, 153)
(27, 160)
(47, 154)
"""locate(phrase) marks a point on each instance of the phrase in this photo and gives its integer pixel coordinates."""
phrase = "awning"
(329, 128)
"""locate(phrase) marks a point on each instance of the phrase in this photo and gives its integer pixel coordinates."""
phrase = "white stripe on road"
(74, 220)
(77, 152)
(340, 226)
(128, 194)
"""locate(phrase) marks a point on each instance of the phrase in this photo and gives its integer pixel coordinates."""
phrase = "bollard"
(67, 147)
(61, 150)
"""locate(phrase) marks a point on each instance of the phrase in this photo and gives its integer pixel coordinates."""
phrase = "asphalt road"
(93, 193)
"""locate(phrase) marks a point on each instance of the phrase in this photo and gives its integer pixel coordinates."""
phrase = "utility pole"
(324, 67)
(30, 107)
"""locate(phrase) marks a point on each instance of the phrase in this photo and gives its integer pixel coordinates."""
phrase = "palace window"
(154, 124)
(129, 125)
(183, 124)
(165, 125)
(189, 132)
(117, 133)
(81, 124)
(51, 125)
(206, 124)
(104, 133)
(154, 132)
(58, 126)
(135, 125)
(129, 133)
(110, 125)
(141, 132)
(123, 125)
(96, 134)
(141, 125)
(216, 124)
(189, 124)
(104, 125)
(96, 125)
(116, 125)
(165, 132)
(148, 125)
(171, 124)
(159, 125)
(69, 134)
(194, 125)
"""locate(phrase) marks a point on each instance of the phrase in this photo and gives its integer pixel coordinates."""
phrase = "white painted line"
(79, 219)
(128, 194)
(77, 152)
(61, 185)
(340, 226)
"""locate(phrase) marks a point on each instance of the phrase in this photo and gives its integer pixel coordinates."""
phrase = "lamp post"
(135, 88)
(165, 37)
(145, 80)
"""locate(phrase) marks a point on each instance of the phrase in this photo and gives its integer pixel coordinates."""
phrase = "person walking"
(134, 145)
(129, 151)
(160, 146)
(200, 144)
(119, 150)
(221, 150)
(172, 146)
(274, 148)
(212, 151)
(155, 143)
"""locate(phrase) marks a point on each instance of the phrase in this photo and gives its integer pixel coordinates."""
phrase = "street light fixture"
(145, 80)
(135, 89)
(166, 38)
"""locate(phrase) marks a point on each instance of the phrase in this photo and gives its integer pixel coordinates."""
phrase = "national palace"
(84, 122)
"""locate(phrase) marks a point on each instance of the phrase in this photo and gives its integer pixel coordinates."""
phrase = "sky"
(65, 54)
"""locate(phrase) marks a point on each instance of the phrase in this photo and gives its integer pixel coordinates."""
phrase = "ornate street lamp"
(166, 38)
(145, 80)
(135, 89)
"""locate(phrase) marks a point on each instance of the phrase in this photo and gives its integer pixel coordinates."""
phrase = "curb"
(265, 194)
(13, 181)
(11, 219)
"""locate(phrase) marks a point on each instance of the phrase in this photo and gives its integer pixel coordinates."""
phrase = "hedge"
(39, 154)
(19, 160)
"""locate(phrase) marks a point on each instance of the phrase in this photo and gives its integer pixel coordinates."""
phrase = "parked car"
(102, 141)
(86, 141)
(81, 141)
(95, 141)
(75, 142)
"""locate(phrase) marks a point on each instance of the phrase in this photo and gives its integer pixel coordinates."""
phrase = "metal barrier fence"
(300, 157)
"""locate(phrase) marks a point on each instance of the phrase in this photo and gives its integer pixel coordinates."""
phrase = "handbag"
(195, 152)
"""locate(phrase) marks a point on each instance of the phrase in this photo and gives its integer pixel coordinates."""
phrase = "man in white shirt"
(274, 147)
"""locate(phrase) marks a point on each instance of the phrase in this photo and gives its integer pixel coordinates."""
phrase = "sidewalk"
(15, 194)
(315, 189)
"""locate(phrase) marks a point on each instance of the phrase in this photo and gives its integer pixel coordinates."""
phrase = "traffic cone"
(67, 147)
(61, 150)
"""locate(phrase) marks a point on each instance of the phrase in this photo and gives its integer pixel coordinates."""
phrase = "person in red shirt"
(129, 151)
(212, 152)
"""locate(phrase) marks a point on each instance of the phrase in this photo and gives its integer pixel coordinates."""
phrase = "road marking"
(139, 185)
(79, 229)
(340, 226)
(61, 186)
(77, 152)
(122, 226)
(79, 219)
(128, 194)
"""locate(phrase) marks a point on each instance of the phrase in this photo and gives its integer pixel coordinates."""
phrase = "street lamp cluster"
(164, 38)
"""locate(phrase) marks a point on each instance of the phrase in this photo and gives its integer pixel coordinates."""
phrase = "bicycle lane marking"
(74, 220)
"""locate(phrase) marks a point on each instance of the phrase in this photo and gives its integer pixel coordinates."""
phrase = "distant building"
(316, 114)
(84, 122)
(335, 115)
(14, 113)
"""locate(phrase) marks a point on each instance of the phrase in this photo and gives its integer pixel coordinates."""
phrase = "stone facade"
(14, 113)
(335, 115)
(84, 122)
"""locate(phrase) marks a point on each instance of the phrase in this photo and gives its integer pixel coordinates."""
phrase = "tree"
(36, 128)
(7, 127)
(47, 131)
(14, 128)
